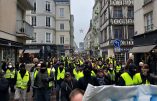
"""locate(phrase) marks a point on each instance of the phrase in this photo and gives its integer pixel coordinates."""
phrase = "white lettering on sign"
(121, 2)
(122, 21)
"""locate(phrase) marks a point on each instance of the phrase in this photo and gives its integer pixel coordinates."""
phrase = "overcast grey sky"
(82, 11)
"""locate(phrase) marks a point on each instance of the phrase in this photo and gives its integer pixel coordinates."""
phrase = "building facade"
(72, 47)
(117, 22)
(88, 40)
(42, 18)
(96, 28)
(81, 46)
(145, 38)
(14, 30)
(63, 24)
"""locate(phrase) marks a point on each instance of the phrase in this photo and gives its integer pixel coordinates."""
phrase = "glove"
(28, 89)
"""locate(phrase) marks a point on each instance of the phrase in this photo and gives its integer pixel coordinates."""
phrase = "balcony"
(147, 2)
(26, 4)
(24, 30)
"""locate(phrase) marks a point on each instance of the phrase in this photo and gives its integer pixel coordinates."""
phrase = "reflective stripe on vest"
(138, 79)
(22, 82)
(81, 62)
(127, 78)
(78, 74)
(118, 68)
(60, 75)
(93, 73)
(10, 74)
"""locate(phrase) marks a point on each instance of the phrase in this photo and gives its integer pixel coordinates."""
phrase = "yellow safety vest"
(78, 74)
(81, 62)
(118, 68)
(22, 82)
(93, 73)
(111, 61)
(112, 75)
(60, 75)
(49, 73)
(10, 74)
(138, 79)
(127, 78)
(100, 67)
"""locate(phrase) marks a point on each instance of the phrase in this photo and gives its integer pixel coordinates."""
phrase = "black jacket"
(4, 85)
(66, 88)
(83, 82)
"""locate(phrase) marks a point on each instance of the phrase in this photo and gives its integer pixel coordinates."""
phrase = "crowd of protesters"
(69, 77)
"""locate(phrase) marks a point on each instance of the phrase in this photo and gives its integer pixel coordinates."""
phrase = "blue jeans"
(43, 94)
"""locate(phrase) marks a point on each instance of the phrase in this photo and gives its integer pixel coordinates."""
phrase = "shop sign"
(122, 21)
(121, 2)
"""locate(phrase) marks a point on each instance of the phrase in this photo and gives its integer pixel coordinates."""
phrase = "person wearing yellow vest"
(87, 79)
(100, 65)
(127, 78)
(23, 83)
(144, 76)
(118, 71)
(34, 73)
(112, 60)
(111, 73)
(10, 74)
(42, 81)
(118, 67)
(59, 77)
(77, 72)
(103, 77)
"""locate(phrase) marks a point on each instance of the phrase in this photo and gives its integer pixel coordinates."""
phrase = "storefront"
(42, 51)
(9, 50)
(145, 49)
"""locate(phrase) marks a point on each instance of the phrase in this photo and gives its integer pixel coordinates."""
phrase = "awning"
(32, 51)
(142, 49)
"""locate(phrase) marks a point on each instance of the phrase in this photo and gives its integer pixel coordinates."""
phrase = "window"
(118, 32)
(117, 12)
(130, 32)
(62, 39)
(130, 12)
(33, 20)
(148, 21)
(48, 37)
(62, 26)
(48, 21)
(34, 8)
(120, 57)
(47, 6)
(34, 37)
(62, 12)
(105, 35)
(101, 37)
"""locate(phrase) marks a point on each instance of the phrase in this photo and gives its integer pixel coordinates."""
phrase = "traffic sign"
(117, 43)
